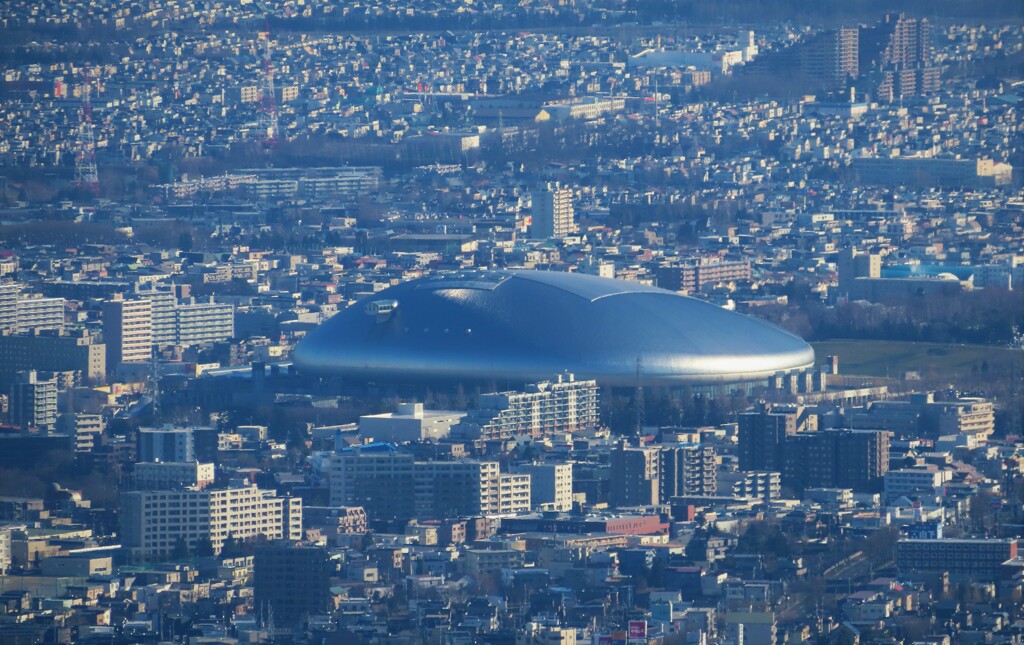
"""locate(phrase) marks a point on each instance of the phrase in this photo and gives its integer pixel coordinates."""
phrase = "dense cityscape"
(546, 323)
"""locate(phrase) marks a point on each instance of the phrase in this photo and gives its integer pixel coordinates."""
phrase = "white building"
(40, 313)
(915, 482)
(409, 422)
(553, 213)
(203, 322)
(169, 475)
(564, 405)
(127, 331)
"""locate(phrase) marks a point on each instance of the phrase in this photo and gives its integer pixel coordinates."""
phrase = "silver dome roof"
(530, 325)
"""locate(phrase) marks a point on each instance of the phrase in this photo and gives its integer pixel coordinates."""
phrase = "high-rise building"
(514, 493)
(9, 306)
(203, 322)
(166, 444)
(763, 432)
(163, 303)
(899, 52)
(291, 582)
(85, 428)
(701, 275)
(756, 484)
(24, 313)
(855, 459)
(169, 475)
(133, 327)
(831, 59)
(52, 351)
(33, 400)
(127, 331)
(688, 469)
(155, 523)
(553, 214)
(5, 549)
(543, 409)
(390, 485)
(635, 476)
(376, 476)
(457, 488)
(40, 314)
(550, 485)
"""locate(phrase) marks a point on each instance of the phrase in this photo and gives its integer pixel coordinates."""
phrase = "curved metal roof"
(530, 325)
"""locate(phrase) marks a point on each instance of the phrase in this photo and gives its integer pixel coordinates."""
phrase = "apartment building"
(688, 469)
(33, 400)
(968, 558)
(762, 434)
(545, 408)
(913, 482)
(855, 459)
(168, 443)
(154, 523)
(170, 475)
(127, 331)
(635, 476)
(701, 275)
(52, 351)
(85, 428)
(553, 213)
(35, 313)
(390, 485)
(377, 477)
(203, 322)
(550, 485)
(453, 488)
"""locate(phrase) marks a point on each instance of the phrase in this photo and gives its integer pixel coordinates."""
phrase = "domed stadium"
(524, 326)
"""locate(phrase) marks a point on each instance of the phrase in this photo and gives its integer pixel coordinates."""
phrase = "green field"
(930, 360)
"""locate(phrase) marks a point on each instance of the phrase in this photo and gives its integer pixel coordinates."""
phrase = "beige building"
(154, 523)
(389, 484)
(53, 351)
(513, 493)
(550, 485)
(127, 331)
(635, 476)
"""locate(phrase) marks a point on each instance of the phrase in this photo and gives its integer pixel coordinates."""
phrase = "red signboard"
(638, 629)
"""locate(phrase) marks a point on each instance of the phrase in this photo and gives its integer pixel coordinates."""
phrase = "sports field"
(930, 360)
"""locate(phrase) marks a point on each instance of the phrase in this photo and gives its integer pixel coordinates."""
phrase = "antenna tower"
(268, 129)
(86, 175)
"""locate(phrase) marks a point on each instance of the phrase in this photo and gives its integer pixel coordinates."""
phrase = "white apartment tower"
(553, 214)
(127, 331)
